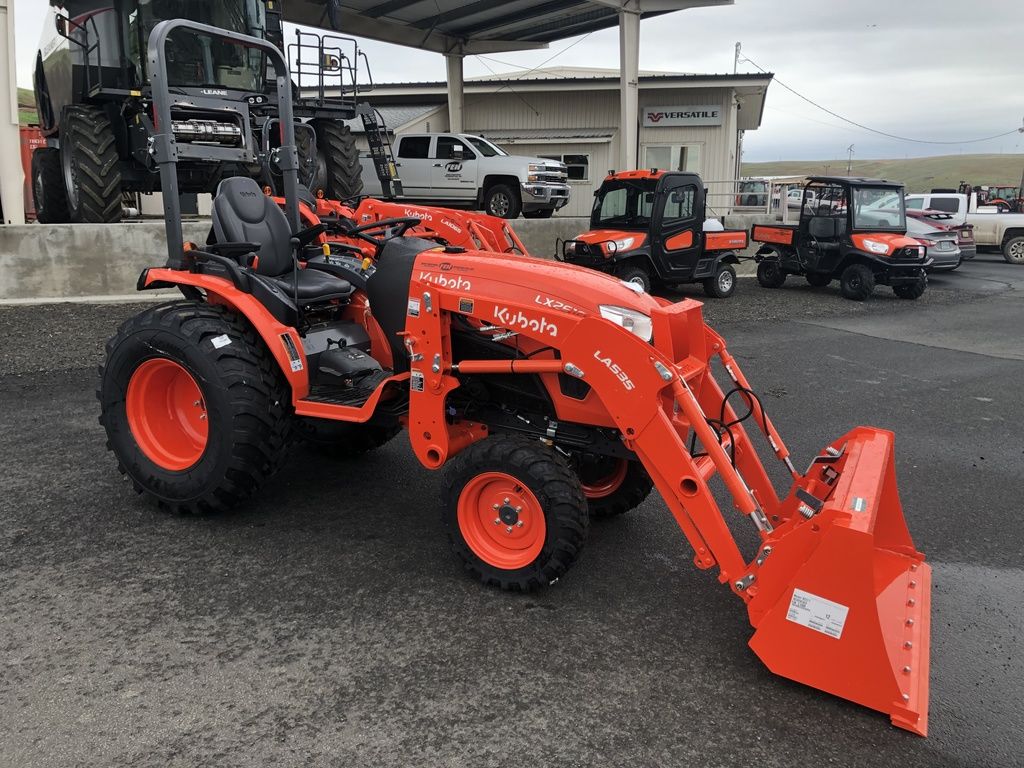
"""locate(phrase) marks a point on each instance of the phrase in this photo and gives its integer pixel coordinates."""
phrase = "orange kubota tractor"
(547, 393)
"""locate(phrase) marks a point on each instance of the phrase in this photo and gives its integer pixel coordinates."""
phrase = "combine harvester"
(548, 393)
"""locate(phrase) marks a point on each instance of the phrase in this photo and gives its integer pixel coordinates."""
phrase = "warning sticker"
(221, 341)
(859, 504)
(817, 613)
(414, 307)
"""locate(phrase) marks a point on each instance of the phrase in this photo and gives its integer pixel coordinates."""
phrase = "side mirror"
(458, 153)
(62, 25)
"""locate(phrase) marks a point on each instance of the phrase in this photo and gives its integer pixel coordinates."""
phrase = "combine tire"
(612, 486)
(911, 290)
(502, 201)
(343, 440)
(195, 408)
(722, 284)
(857, 282)
(1013, 250)
(514, 512)
(770, 274)
(338, 172)
(90, 165)
(818, 279)
(48, 193)
(632, 273)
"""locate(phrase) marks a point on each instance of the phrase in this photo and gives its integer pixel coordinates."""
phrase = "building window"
(673, 157)
(578, 165)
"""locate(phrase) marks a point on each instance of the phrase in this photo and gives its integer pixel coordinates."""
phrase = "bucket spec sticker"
(293, 353)
(416, 381)
(817, 613)
(220, 341)
(414, 307)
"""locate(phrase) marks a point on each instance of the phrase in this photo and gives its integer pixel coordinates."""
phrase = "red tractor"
(547, 393)
(647, 228)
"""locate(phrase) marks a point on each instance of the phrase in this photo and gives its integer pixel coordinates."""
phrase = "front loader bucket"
(843, 602)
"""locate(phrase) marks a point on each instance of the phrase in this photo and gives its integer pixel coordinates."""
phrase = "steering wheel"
(388, 228)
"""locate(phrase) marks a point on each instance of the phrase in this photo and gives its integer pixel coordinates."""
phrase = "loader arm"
(837, 591)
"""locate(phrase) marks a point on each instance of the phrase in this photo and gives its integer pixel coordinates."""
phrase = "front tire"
(538, 504)
(1013, 250)
(722, 284)
(194, 406)
(770, 274)
(857, 282)
(502, 201)
(634, 273)
(48, 193)
(911, 291)
(338, 172)
(91, 166)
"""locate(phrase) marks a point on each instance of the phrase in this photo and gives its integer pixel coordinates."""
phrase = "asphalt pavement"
(326, 623)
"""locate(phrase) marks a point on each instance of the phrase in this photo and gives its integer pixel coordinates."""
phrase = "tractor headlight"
(635, 322)
(876, 247)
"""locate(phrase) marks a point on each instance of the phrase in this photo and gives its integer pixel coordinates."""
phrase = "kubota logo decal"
(620, 374)
(517, 319)
(455, 283)
(421, 215)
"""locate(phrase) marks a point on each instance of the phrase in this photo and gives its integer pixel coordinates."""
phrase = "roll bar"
(164, 147)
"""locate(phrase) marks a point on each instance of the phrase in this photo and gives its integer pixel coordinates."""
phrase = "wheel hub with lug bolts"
(508, 516)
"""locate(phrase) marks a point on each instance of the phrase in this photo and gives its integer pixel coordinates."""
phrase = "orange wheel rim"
(501, 521)
(607, 485)
(167, 414)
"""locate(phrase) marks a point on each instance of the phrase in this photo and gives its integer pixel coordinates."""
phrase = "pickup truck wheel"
(770, 274)
(632, 273)
(502, 201)
(857, 282)
(722, 284)
(1013, 250)
(542, 214)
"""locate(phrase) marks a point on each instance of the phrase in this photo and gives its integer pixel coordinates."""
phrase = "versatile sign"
(672, 117)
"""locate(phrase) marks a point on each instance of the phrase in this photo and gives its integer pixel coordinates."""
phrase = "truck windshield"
(624, 204)
(200, 60)
(879, 208)
(485, 147)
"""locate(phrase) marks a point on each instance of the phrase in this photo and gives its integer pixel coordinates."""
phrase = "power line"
(875, 130)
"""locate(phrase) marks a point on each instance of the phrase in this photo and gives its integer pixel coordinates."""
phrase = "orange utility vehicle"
(546, 392)
(851, 229)
(647, 227)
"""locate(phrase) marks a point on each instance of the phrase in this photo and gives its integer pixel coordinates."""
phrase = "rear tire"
(722, 284)
(1013, 250)
(911, 291)
(857, 282)
(612, 486)
(338, 172)
(541, 527)
(48, 193)
(186, 355)
(818, 279)
(633, 273)
(770, 274)
(502, 201)
(90, 166)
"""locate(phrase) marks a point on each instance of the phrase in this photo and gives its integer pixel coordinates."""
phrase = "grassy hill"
(26, 106)
(918, 174)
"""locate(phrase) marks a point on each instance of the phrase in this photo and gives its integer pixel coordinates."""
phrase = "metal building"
(684, 121)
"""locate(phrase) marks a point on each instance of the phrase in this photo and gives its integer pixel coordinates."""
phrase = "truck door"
(414, 163)
(452, 177)
(677, 229)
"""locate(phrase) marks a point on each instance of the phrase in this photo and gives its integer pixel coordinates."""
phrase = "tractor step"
(352, 397)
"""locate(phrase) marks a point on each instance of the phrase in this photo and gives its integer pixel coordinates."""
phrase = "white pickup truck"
(460, 170)
(1004, 231)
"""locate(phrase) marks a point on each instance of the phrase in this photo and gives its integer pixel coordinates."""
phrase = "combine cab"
(546, 392)
(647, 228)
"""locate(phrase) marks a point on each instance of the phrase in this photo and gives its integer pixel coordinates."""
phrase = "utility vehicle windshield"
(879, 208)
(199, 60)
(624, 205)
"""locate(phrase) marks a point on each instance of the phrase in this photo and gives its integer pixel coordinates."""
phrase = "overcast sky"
(945, 70)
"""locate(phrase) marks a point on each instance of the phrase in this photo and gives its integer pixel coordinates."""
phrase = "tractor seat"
(243, 214)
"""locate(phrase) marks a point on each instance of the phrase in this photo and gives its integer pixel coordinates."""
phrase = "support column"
(12, 178)
(629, 85)
(456, 91)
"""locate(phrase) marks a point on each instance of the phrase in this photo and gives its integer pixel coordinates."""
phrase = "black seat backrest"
(388, 291)
(243, 214)
(825, 227)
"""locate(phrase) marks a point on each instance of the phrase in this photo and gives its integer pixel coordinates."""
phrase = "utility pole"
(849, 161)
(736, 61)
